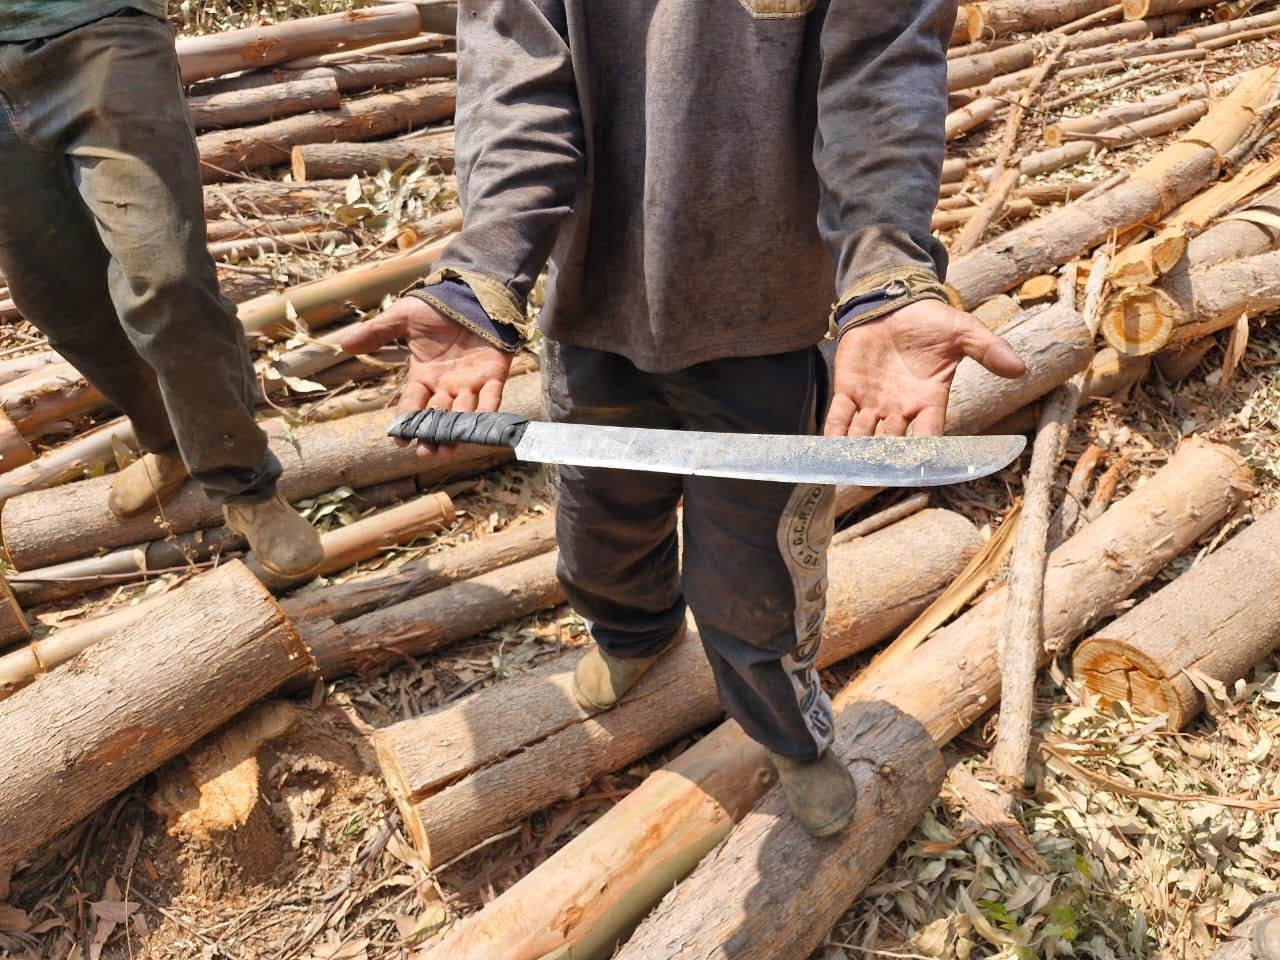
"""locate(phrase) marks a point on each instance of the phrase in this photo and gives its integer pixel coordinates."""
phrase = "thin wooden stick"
(995, 200)
(1023, 634)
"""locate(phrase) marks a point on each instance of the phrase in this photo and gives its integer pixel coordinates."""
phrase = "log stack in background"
(1195, 226)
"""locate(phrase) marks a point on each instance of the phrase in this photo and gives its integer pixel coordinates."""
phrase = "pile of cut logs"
(1105, 280)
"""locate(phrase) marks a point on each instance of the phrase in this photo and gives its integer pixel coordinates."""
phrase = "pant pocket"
(778, 9)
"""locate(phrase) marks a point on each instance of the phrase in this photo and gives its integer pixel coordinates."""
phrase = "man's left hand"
(893, 375)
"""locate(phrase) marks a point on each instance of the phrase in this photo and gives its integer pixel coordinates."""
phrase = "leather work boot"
(145, 484)
(282, 540)
(600, 681)
(1266, 939)
(820, 793)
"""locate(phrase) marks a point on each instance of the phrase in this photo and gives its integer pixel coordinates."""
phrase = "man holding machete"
(706, 176)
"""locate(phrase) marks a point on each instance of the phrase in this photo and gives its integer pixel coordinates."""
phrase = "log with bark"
(369, 71)
(997, 18)
(376, 51)
(1056, 134)
(436, 619)
(224, 153)
(332, 298)
(346, 601)
(263, 198)
(16, 367)
(233, 50)
(1141, 320)
(594, 889)
(49, 526)
(343, 547)
(324, 160)
(983, 67)
(15, 451)
(240, 108)
(774, 891)
(135, 701)
(233, 251)
(527, 744)
(1217, 620)
(1138, 9)
(46, 397)
(245, 228)
(13, 623)
(1176, 173)
(334, 604)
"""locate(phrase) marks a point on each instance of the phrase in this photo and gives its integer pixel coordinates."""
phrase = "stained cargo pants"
(754, 565)
(102, 243)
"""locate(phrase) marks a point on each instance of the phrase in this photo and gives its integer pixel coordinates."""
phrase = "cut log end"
(298, 165)
(975, 24)
(1138, 321)
(1135, 9)
(1109, 669)
(14, 449)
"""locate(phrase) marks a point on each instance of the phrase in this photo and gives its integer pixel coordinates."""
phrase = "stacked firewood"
(1107, 277)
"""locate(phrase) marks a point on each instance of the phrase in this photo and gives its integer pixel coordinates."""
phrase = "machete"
(860, 461)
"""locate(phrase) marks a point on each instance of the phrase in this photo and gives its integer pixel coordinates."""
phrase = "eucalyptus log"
(592, 891)
(774, 891)
(224, 153)
(436, 619)
(14, 368)
(13, 623)
(368, 71)
(346, 601)
(233, 251)
(1141, 320)
(997, 18)
(363, 539)
(272, 198)
(527, 744)
(50, 526)
(980, 68)
(1222, 30)
(392, 49)
(323, 160)
(1219, 619)
(1056, 134)
(14, 449)
(44, 397)
(215, 646)
(1138, 9)
(239, 108)
(1176, 173)
(233, 50)
(332, 298)
(185, 550)
(224, 229)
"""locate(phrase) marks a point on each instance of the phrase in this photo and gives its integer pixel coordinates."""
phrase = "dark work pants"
(754, 565)
(102, 243)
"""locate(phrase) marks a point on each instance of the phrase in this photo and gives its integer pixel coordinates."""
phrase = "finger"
(464, 402)
(413, 397)
(490, 399)
(374, 334)
(986, 348)
(864, 424)
(929, 422)
(438, 401)
(839, 416)
(894, 426)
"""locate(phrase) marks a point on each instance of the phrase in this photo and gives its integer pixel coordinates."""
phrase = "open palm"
(894, 374)
(450, 368)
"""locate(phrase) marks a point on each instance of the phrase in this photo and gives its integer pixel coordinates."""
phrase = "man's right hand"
(450, 368)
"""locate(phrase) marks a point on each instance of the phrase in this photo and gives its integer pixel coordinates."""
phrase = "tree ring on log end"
(1117, 671)
(1138, 321)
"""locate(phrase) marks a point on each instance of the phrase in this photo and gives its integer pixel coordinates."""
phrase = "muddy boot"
(1266, 939)
(282, 540)
(600, 681)
(821, 792)
(146, 484)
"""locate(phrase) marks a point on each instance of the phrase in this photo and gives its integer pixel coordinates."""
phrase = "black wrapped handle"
(446, 427)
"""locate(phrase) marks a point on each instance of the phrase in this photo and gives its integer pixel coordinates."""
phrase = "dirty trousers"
(102, 244)
(754, 564)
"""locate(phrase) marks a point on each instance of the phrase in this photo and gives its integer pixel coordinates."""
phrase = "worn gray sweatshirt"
(708, 177)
